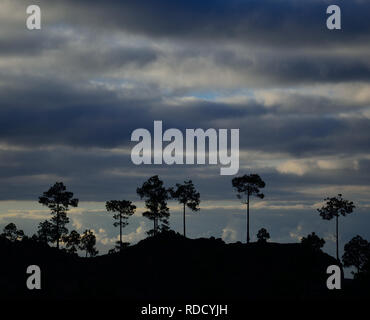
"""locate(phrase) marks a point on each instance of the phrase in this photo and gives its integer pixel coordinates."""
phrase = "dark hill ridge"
(170, 267)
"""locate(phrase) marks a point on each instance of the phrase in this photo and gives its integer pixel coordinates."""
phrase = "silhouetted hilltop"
(170, 267)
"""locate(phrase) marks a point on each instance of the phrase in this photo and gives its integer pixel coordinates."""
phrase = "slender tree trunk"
(155, 226)
(337, 240)
(120, 232)
(58, 226)
(248, 237)
(184, 222)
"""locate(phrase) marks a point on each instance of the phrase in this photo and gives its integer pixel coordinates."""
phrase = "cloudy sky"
(72, 93)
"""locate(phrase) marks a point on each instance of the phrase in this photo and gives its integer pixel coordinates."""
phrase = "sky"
(72, 93)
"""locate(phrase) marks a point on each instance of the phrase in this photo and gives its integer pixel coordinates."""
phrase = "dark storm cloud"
(318, 132)
(42, 111)
(29, 44)
(262, 22)
(292, 32)
(305, 136)
(79, 39)
(111, 59)
(45, 112)
(285, 67)
(314, 68)
(99, 174)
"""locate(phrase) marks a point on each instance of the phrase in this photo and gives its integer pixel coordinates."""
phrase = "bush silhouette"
(313, 242)
(262, 236)
(356, 253)
(88, 242)
(12, 233)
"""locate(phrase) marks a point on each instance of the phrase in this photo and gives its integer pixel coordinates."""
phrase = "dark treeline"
(55, 232)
